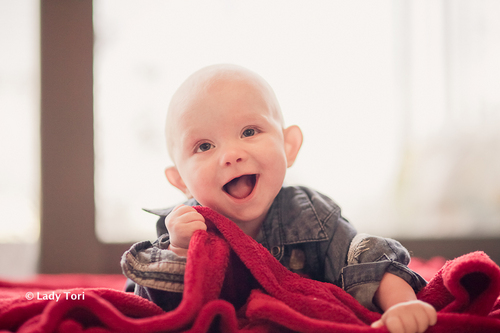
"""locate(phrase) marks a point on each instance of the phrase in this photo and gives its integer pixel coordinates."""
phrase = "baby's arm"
(402, 311)
(181, 223)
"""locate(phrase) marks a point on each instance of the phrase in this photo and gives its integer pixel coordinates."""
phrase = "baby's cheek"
(203, 189)
(277, 161)
(274, 154)
(201, 184)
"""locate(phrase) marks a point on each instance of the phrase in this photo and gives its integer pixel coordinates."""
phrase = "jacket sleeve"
(369, 258)
(157, 272)
(154, 272)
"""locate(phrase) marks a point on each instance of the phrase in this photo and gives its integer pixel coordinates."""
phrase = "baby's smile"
(241, 187)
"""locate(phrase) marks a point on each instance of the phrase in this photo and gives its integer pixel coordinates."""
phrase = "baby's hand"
(408, 317)
(181, 223)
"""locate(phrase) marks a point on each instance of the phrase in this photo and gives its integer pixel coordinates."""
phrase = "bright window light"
(19, 122)
(367, 84)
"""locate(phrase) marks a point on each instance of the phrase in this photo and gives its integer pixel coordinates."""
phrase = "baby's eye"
(248, 132)
(204, 147)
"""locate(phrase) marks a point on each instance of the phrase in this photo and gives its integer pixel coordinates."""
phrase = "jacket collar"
(166, 211)
(296, 216)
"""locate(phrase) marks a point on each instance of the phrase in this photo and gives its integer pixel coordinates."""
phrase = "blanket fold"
(469, 284)
(233, 284)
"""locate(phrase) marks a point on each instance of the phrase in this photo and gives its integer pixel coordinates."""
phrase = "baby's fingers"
(414, 317)
(427, 316)
(423, 316)
(393, 324)
(397, 324)
(183, 209)
(192, 217)
(377, 324)
(183, 214)
(192, 225)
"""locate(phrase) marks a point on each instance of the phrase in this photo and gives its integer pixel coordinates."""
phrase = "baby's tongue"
(240, 187)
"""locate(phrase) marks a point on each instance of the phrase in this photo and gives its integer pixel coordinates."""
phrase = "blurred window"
(19, 121)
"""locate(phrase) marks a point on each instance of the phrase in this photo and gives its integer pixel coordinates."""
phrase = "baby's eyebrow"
(191, 137)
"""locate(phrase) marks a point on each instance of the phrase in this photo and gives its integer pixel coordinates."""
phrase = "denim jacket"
(305, 232)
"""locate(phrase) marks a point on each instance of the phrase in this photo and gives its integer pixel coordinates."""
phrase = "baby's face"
(230, 151)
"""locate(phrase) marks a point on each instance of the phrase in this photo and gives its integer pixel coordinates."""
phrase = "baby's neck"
(251, 228)
(254, 232)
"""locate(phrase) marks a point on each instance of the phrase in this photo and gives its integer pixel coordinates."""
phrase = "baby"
(230, 149)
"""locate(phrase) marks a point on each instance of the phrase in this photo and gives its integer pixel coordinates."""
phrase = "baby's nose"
(232, 156)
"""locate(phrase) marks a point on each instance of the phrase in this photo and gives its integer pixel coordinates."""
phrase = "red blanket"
(233, 284)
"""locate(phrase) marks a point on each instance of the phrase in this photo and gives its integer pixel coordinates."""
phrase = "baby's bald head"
(215, 80)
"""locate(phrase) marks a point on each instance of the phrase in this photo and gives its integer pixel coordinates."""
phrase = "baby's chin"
(240, 215)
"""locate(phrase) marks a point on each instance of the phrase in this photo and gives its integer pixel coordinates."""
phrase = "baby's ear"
(293, 142)
(175, 179)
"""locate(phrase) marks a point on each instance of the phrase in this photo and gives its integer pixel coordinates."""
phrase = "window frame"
(68, 242)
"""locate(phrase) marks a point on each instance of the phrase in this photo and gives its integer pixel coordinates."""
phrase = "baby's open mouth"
(241, 187)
